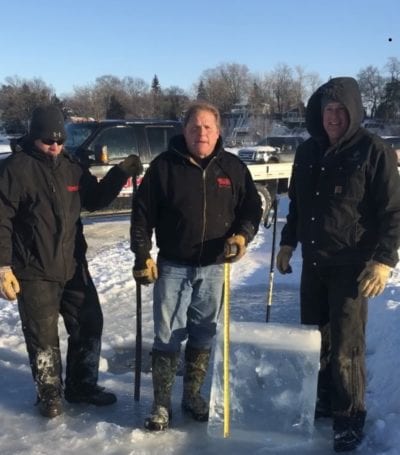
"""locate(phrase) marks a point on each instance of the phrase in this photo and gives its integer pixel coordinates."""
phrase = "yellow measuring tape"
(227, 270)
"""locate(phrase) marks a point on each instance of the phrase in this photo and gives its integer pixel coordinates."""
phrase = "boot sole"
(154, 426)
(346, 446)
(50, 414)
(94, 403)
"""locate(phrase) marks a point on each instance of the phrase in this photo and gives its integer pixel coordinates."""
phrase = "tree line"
(228, 84)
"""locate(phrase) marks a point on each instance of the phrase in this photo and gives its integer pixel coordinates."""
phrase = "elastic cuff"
(141, 258)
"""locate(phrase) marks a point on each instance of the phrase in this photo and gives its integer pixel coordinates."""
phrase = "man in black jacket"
(345, 211)
(43, 258)
(204, 207)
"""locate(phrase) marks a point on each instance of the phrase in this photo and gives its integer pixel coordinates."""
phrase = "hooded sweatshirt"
(344, 199)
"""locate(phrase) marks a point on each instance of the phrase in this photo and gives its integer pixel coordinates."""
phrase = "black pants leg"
(38, 305)
(83, 318)
(329, 295)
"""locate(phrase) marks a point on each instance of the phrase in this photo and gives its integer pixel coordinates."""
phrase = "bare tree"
(283, 87)
(137, 98)
(108, 91)
(84, 102)
(226, 85)
(18, 98)
(393, 68)
(372, 87)
(304, 84)
(173, 104)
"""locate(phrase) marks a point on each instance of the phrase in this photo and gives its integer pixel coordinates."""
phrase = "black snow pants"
(39, 304)
(329, 299)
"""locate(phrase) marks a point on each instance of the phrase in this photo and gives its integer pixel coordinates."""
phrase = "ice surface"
(273, 383)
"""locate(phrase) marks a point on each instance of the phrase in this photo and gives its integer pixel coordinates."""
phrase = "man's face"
(49, 146)
(335, 119)
(201, 134)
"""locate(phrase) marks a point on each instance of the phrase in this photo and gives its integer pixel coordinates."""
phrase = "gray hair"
(199, 106)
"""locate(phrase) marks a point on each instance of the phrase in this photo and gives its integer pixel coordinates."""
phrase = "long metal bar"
(138, 348)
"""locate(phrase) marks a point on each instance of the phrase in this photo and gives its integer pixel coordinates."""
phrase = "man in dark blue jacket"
(203, 206)
(345, 211)
(43, 258)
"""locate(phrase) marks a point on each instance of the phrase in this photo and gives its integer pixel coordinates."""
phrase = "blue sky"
(71, 43)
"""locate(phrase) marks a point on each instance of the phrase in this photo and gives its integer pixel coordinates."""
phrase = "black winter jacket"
(344, 200)
(194, 210)
(41, 233)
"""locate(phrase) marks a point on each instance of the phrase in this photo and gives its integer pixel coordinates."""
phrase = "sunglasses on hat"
(52, 141)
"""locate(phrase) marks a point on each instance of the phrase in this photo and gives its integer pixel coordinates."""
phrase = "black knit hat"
(47, 122)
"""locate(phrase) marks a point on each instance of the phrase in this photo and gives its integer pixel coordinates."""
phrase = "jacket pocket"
(348, 182)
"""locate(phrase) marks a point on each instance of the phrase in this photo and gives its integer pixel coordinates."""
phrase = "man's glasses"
(52, 141)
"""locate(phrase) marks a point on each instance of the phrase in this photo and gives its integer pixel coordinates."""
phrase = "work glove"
(372, 280)
(131, 165)
(234, 248)
(9, 286)
(283, 258)
(145, 272)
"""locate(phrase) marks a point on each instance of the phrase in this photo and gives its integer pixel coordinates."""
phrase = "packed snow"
(118, 429)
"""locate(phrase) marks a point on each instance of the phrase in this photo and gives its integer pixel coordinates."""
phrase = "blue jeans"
(186, 305)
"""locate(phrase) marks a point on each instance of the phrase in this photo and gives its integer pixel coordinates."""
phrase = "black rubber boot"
(49, 401)
(90, 394)
(348, 432)
(46, 369)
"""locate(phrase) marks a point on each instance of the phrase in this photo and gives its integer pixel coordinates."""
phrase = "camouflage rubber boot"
(196, 366)
(164, 366)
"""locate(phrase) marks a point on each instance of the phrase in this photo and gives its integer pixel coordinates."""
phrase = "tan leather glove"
(9, 286)
(131, 165)
(283, 258)
(372, 280)
(145, 272)
(234, 248)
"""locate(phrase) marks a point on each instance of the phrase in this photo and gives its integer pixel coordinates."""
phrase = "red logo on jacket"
(72, 188)
(223, 182)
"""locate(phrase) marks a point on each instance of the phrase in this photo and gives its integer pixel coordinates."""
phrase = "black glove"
(145, 271)
(283, 259)
(131, 165)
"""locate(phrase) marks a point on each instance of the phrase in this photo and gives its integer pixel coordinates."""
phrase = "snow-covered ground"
(5, 148)
(118, 429)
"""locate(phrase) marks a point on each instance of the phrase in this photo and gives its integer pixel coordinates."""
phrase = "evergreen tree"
(115, 109)
(201, 91)
(155, 86)
(156, 97)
